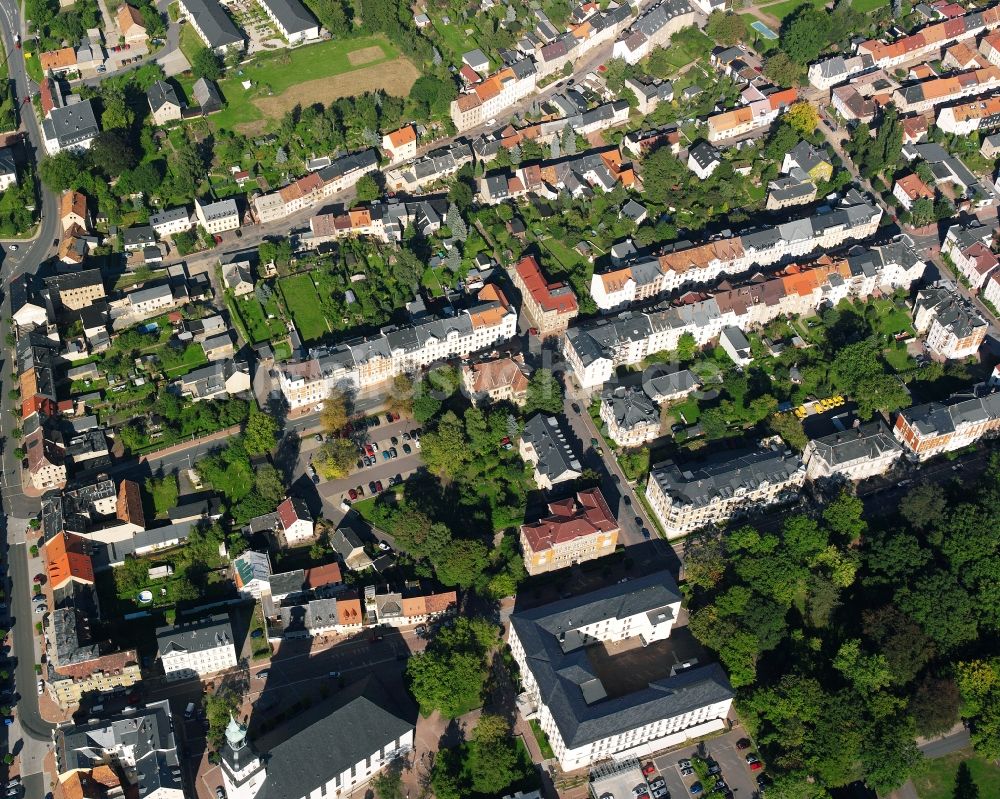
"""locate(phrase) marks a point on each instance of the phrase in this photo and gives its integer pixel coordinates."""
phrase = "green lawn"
(899, 359)
(870, 5)
(687, 45)
(190, 42)
(282, 351)
(542, 739)
(452, 39)
(258, 326)
(176, 363)
(783, 9)
(939, 780)
(302, 302)
(285, 69)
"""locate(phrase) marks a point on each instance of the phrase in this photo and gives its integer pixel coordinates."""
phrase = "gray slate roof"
(218, 28)
(871, 440)
(723, 475)
(568, 683)
(200, 635)
(555, 458)
(292, 15)
(330, 738)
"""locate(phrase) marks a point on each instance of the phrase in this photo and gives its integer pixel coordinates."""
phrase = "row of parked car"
(370, 452)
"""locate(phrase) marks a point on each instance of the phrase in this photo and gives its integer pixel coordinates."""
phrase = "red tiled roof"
(550, 296)
(66, 559)
(571, 518)
(318, 576)
(129, 508)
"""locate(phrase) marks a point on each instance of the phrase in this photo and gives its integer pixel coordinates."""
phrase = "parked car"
(385, 455)
(407, 449)
(263, 674)
(384, 546)
(372, 487)
(220, 793)
(756, 766)
(394, 441)
(695, 788)
(334, 674)
(378, 486)
(41, 608)
(41, 687)
(393, 453)
(352, 494)
(752, 758)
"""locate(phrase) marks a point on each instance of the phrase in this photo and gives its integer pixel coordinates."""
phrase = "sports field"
(314, 73)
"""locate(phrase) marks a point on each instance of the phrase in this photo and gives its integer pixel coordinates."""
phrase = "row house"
(596, 350)
(758, 112)
(832, 71)
(340, 615)
(315, 187)
(368, 361)
(496, 93)
(928, 41)
(916, 98)
(383, 221)
(402, 610)
(688, 265)
(582, 36)
(938, 427)
(653, 29)
(859, 100)
(437, 165)
(217, 217)
(979, 114)
(688, 497)
(400, 144)
(577, 175)
(171, 222)
(968, 247)
(950, 324)
(989, 47)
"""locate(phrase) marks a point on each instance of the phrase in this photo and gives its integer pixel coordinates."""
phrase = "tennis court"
(763, 30)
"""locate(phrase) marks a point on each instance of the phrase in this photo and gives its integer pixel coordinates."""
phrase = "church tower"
(243, 773)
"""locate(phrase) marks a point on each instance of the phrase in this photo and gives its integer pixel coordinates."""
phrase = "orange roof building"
(549, 307)
(577, 529)
(130, 23)
(129, 505)
(909, 189)
(67, 559)
(401, 144)
(61, 60)
(501, 380)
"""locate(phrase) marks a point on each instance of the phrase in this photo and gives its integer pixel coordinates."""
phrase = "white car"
(41, 608)
(491, 122)
(41, 687)
(384, 546)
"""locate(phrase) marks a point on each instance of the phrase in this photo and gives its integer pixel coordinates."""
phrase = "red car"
(352, 494)
(756, 766)
(648, 770)
(378, 486)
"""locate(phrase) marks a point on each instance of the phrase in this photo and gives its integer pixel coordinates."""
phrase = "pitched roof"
(569, 519)
(556, 297)
(72, 202)
(129, 16)
(490, 375)
(292, 510)
(67, 559)
(332, 737)
(57, 59)
(405, 135)
(915, 188)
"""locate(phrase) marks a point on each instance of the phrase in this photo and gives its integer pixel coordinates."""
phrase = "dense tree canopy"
(846, 641)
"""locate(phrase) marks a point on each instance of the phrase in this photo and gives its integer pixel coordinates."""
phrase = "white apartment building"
(707, 263)
(218, 217)
(968, 247)
(721, 487)
(856, 453)
(653, 29)
(196, 649)
(582, 723)
(832, 71)
(292, 20)
(369, 361)
(952, 327)
(597, 349)
(170, 222)
(145, 302)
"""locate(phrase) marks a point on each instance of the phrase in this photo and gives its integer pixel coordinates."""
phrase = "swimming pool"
(763, 30)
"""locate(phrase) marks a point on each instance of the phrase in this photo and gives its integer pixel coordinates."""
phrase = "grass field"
(939, 780)
(687, 45)
(258, 326)
(190, 43)
(316, 73)
(302, 302)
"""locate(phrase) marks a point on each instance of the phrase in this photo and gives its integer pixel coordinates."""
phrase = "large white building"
(857, 453)
(198, 648)
(566, 695)
(368, 361)
(218, 217)
(596, 350)
(689, 497)
(706, 263)
(330, 750)
(653, 29)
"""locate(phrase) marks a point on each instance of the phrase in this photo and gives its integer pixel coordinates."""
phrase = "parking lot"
(387, 436)
(732, 765)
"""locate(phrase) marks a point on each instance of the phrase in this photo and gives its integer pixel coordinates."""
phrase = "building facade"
(577, 529)
(197, 649)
